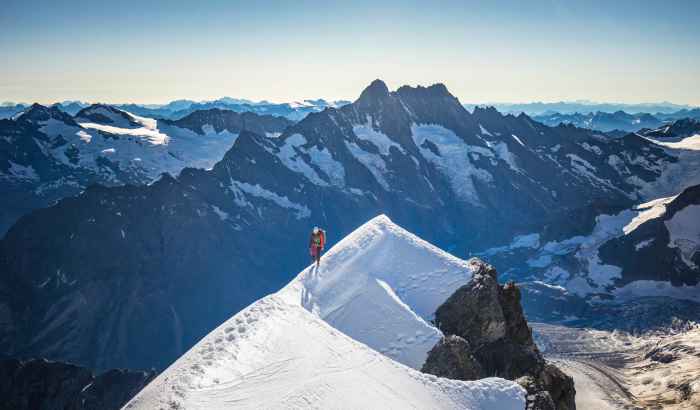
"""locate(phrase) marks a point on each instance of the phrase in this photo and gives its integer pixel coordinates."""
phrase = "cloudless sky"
(496, 51)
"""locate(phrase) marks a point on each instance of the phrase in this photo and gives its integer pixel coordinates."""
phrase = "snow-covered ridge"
(314, 343)
(381, 285)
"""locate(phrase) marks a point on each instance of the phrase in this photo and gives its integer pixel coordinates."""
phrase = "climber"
(316, 244)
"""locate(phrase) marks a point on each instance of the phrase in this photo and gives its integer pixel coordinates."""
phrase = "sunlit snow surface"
(138, 144)
(315, 344)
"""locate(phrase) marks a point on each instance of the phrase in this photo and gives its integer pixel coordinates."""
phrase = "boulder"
(452, 358)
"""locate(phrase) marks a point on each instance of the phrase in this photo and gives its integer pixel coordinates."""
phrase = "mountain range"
(46, 154)
(175, 110)
(587, 107)
(171, 260)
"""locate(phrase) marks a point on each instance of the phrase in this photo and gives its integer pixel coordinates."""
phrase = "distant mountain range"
(584, 107)
(617, 121)
(602, 121)
(164, 263)
(47, 154)
(180, 108)
(604, 117)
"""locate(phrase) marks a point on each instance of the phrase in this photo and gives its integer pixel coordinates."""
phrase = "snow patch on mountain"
(323, 159)
(504, 153)
(452, 159)
(675, 176)
(380, 140)
(653, 288)
(643, 244)
(650, 210)
(531, 241)
(684, 232)
(149, 135)
(148, 150)
(373, 162)
(484, 131)
(289, 154)
(691, 143)
(518, 140)
(585, 169)
(302, 211)
(595, 276)
(21, 172)
(295, 348)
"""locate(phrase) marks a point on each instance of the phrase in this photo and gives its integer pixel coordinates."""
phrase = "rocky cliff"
(41, 384)
(486, 335)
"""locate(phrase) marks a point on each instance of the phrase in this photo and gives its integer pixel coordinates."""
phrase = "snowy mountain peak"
(316, 343)
(381, 285)
(107, 115)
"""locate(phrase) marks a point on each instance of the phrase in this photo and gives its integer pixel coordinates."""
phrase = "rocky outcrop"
(487, 335)
(45, 385)
(452, 357)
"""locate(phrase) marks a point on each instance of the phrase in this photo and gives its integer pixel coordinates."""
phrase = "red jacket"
(318, 240)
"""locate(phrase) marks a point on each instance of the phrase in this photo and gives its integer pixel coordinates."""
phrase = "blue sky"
(502, 51)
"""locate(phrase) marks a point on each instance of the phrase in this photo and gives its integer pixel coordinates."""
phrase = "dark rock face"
(538, 398)
(452, 357)
(487, 335)
(40, 384)
(559, 385)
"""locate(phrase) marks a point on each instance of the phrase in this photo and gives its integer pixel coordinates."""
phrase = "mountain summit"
(376, 90)
(303, 346)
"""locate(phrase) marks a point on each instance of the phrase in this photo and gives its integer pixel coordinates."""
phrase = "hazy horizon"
(501, 52)
(255, 100)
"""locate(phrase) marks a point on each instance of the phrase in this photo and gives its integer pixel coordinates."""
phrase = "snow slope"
(314, 343)
(381, 285)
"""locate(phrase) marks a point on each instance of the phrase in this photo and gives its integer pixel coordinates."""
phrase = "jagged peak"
(100, 108)
(437, 90)
(37, 112)
(375, 91)
(481, 268)
(490, 109)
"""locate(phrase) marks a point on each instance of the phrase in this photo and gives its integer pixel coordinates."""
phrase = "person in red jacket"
(316, 244)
